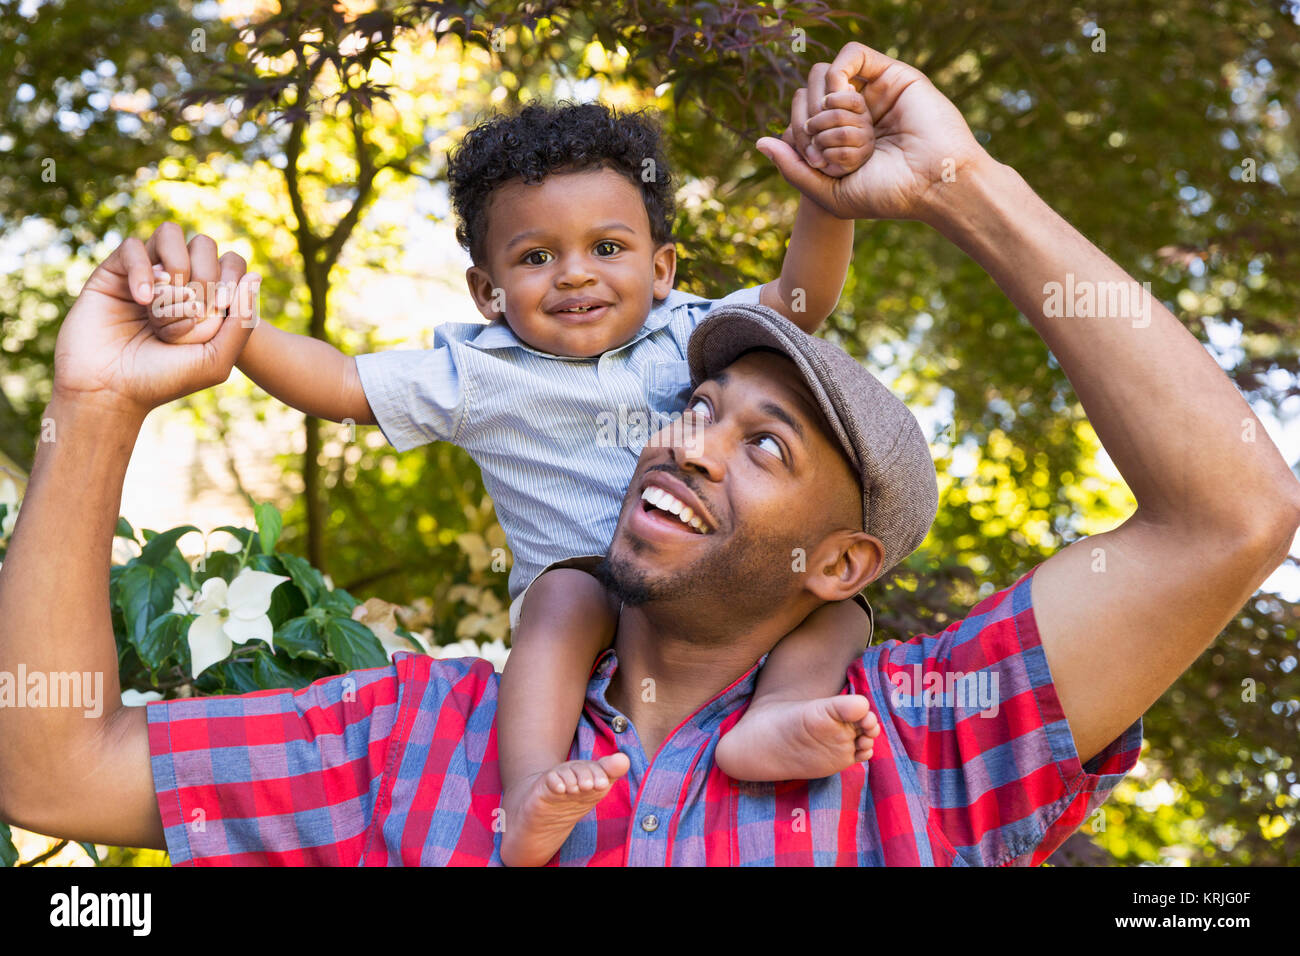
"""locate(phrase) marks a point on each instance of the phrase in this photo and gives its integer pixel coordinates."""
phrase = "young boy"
(567, 214)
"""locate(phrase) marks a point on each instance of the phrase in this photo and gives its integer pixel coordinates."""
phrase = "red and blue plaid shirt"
(398, 765)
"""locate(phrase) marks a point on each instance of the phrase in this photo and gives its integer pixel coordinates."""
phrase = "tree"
(1164, 131)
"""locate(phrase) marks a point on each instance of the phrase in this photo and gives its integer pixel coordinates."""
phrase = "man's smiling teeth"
(662, 500)
(583, 308)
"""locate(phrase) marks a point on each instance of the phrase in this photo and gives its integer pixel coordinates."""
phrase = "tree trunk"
(312, 476)
(16, 443)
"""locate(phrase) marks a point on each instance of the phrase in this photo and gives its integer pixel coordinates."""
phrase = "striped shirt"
(398, 765)
(557, 438)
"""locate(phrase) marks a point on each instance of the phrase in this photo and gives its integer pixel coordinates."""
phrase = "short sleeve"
(417, 396)
(747, 296)
(286, 777)
(974, 714)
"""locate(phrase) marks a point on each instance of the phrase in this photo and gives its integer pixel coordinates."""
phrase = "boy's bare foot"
(541, 810)
(799, 739)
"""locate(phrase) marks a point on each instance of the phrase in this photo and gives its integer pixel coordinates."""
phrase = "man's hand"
(842, 138)
(916, 140)
(107, 351)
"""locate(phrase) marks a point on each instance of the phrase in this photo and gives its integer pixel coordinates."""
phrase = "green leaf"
(269, 524)
(175, 561)
(268, 672)
(302, 638)
(160, 545)
(309, 580)
(144, 593)
(353, 645)
(163, 639)
(8, 852)
(218, 564)
(236, 676)
(338, 601)
(286, 602)
(124, 530)
(242, 535)
(90, 851)
(270, 563)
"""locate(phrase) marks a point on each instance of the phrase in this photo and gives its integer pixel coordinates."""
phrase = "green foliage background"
(1165, 131)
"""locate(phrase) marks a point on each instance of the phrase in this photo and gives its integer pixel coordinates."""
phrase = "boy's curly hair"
(540, 140)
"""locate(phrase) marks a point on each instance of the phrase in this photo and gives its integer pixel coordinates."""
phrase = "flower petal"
(212, 595)
(242, 630)
(134, 698)
(208, 643)
(250, 592)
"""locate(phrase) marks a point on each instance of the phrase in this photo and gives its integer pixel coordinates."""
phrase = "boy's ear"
(843, 564)
(487, 297)
(665, 269)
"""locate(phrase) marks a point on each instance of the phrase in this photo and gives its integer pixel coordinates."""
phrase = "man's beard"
(749, 579)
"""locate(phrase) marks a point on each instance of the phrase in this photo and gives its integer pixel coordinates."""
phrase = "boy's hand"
(835, 137)
(106, 352)
(919, 145)
(187, 309)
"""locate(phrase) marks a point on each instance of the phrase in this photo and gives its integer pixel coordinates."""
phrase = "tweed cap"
(883, 442)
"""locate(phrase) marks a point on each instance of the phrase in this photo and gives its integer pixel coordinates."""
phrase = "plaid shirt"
(398, 765)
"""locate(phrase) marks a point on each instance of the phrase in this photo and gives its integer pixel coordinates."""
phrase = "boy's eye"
(537, 257)
(607, 247)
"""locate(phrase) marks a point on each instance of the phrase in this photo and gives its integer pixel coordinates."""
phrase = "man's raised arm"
(83, 772)
(1122, 614)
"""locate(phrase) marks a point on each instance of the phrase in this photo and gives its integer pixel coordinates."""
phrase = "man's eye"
(699, 407)
(537, 257)
(606, 248)
(771, 446)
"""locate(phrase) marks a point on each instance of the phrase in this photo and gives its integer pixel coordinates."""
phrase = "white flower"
(231, 614)
(494, 652)
(182, 599)
(133, 698)
(124, 550)
(380, 617)
(8, 498)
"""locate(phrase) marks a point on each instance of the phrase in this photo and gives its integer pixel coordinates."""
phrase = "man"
(398, 764)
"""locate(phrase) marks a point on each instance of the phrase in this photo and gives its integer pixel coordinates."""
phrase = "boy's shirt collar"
(498, 335)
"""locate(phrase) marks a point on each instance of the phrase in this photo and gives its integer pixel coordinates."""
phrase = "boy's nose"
(573, 272)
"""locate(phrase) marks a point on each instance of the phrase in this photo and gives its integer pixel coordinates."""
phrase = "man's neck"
(666, 672)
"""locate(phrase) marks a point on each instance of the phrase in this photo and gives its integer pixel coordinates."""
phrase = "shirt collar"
(497, 334)
(704, 719)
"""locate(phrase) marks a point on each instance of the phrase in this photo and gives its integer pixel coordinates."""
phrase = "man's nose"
(698, 448)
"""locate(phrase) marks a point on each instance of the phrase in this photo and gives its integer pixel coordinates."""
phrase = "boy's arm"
(816, 264)
(811, 661)
(307, 374)
(566, 621)
(821, 244)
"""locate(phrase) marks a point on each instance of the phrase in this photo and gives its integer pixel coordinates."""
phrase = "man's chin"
(628, 583)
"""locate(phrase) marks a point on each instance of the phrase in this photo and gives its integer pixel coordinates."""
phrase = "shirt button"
(650, 823)
(620, 724)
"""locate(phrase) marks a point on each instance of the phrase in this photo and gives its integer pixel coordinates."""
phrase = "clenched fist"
(113, 349)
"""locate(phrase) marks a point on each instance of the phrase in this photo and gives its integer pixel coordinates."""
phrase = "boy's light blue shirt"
(557, 438)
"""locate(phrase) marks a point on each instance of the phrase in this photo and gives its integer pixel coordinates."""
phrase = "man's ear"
(843, 564)
(487, 296)
(665, 269)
